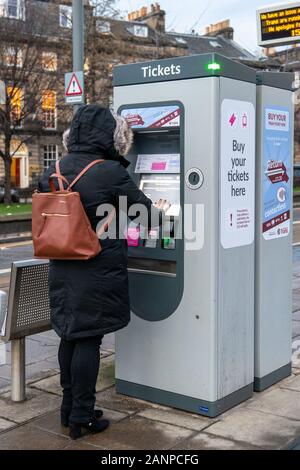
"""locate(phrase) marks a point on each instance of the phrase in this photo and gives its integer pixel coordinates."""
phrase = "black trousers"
(79, 363)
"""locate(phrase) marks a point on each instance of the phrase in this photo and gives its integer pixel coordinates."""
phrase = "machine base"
(261, 383)
(194, 405)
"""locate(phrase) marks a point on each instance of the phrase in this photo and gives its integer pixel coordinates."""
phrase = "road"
(23, 250)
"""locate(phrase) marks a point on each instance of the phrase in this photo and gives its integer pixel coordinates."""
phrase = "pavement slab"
(178, 418)
(115, 401)
(296, 314)
(51, 422)
(205, 441)
(28, 437)
(256, 428)
(5, 424)
(279, 402)
(105, 380)
(37, 403)
(296, 328)
(291, 384)
(139, 433)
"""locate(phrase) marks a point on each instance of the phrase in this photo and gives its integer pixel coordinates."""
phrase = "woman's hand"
(162, 205)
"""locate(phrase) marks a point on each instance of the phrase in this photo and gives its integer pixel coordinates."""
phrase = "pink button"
(133, 235)
(158, 166)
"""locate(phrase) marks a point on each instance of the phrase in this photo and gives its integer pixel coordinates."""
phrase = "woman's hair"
(123, 135)
(65, 139)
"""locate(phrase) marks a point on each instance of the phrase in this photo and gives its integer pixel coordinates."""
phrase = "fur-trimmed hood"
(94, 129)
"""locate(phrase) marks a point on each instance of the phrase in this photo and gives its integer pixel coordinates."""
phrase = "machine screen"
(163, 187)
(158, 163)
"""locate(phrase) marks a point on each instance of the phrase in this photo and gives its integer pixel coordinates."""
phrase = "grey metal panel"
(190, 67)
(28, 309)
(194, 405)
(178, 354)
(261, 383)
(273, 263)
(235, 341)
(282, 80)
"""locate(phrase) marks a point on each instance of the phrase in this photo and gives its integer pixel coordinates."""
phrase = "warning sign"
(74, 88)
(237, 173)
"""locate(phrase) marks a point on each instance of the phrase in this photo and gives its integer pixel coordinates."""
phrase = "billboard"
(279, 24)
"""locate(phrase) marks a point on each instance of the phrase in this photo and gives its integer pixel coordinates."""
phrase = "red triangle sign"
(74, 88)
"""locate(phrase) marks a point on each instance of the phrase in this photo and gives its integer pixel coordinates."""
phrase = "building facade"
(36, 140)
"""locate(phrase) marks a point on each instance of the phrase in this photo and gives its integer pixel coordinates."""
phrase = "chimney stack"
(222, 28)
(155, 18)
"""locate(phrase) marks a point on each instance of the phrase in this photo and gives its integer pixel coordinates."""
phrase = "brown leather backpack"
(60, 226)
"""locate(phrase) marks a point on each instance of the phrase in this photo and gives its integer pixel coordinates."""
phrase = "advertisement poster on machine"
(152, 117)
(237, 173)
(276, 173)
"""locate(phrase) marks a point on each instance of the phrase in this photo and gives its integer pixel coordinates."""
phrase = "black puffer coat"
(90, 298)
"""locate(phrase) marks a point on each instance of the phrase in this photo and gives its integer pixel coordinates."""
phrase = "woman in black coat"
(90, 298)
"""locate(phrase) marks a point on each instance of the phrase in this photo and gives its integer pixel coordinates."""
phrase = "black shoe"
(65, 417)
(95, 426)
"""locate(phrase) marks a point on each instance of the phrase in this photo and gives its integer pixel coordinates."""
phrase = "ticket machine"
(190, 342)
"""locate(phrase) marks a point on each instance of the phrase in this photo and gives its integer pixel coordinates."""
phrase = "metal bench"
(28, 313)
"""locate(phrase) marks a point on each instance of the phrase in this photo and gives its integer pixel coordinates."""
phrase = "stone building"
(108, 41)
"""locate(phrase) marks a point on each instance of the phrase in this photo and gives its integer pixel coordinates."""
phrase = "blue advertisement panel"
(276, 175)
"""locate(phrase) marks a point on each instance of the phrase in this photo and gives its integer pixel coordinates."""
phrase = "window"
(180, 40)
(49, 109)
(50, 155)
(12, 9)
(65, 16)
(49, 61)
(15, 96)
(103, 26)
(12, 57)
(140, 31)
(214, 44)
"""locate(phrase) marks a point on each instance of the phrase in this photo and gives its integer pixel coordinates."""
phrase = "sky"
(182, 16)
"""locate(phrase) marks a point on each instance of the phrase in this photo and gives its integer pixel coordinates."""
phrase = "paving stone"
(178, 418)
(138, 433)
(295, 329)
(3, 382)
(256, 428)
(49, 384)
(292, 383)
(30, 438)
(33, 371)
(296, 299)
(115, 401)
(296, 314)
(106, 376)
(38, 403)
(78, 445)
(279, 402)
(4, 424)
(205, 441)
(36, 351)
(51, 422)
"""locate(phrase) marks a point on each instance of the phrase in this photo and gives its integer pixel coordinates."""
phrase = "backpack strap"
(83, 172)
(60, 179)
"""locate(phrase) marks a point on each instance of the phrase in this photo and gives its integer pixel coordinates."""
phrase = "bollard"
(18, 392)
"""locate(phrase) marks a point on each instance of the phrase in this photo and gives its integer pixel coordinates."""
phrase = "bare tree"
(105, 8)
(28, 82)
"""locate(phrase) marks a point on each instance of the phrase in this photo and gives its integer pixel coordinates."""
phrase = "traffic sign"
(74, 88)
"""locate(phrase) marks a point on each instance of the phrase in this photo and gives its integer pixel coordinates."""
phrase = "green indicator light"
(213, 66)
